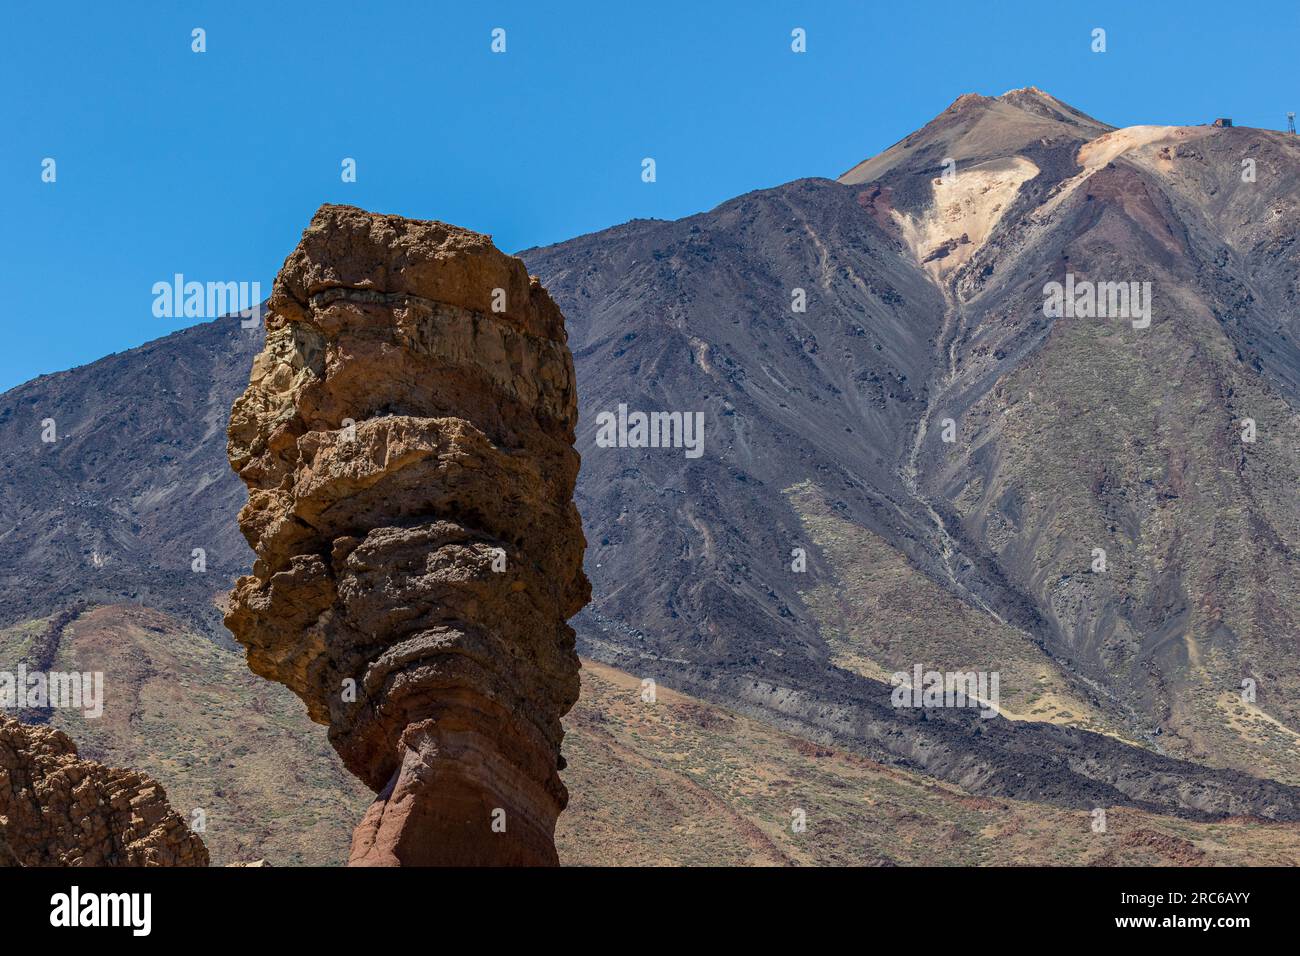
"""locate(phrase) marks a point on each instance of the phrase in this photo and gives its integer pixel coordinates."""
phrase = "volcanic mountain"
(924, 271)
(906, 461)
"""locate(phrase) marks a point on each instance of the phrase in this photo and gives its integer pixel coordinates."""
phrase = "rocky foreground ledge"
(57, 809)
(407, 442)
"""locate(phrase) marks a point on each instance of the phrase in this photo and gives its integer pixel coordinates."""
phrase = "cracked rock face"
(407, 442)
(57, 809)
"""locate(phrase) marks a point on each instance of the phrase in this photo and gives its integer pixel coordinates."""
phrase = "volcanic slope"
(925, 319)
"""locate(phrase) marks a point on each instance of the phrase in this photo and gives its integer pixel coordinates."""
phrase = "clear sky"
(210, 164)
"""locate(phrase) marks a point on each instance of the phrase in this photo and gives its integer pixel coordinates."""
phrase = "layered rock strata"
(407, 442)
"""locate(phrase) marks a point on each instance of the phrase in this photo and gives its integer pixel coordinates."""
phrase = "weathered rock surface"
(408, 452)
(57, 809)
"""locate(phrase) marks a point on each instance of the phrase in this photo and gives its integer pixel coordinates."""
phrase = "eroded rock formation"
(407, 442)
(57, 809)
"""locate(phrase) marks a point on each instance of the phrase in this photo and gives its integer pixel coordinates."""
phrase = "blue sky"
(211, 164)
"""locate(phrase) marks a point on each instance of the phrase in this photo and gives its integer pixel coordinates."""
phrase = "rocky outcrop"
(57, 809)
(407, 442)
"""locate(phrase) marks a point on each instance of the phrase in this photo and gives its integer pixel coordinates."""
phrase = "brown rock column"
(407, 442)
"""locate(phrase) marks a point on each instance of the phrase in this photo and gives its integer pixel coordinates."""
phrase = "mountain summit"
(977, 129)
